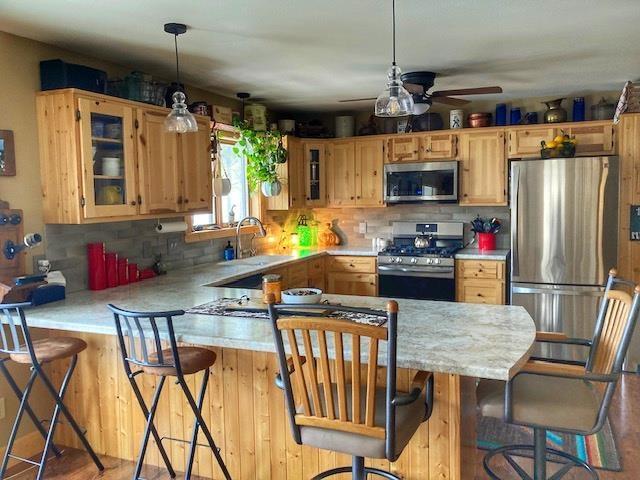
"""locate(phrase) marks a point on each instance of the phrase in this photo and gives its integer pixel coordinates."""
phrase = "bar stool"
(341, 414)
(18, 347)
(148, 356)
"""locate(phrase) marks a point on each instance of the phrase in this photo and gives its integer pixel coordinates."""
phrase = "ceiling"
(306, 55)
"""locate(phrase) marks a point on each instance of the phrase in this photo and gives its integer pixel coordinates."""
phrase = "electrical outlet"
(2, 409)
(172, 246)
(362, 227)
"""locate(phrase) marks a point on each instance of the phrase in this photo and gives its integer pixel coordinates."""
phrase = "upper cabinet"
(438, 146)
(483, 170)
(314, 168)
(369, 177)
(593, 138)
(525, 142)
(404, 148)
(104, 158)
(341, 173)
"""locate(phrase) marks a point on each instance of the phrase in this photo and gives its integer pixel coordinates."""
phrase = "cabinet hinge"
(78, 115)
(136, 124)
(82, 202)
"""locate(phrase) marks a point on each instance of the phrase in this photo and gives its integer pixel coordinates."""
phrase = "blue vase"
(516, 116)
(578, 109)
(501, 114)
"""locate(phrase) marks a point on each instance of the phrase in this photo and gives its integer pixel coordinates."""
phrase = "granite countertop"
(475, 254)
(486, 341)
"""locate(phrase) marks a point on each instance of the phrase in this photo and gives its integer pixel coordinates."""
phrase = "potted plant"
(264, 152)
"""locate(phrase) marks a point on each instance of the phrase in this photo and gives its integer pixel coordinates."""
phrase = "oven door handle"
(433, 272)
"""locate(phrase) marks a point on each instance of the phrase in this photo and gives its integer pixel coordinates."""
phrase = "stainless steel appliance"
(421, 182)
(425, 273)
(564, 237)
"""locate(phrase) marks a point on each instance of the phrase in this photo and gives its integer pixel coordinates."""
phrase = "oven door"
(418, 182)
(438, 283)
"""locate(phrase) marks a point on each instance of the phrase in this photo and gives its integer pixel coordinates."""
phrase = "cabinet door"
(108, 159)
(363, 284)
(442, 146)
(296, 173)
(594, 139)
(369, 172)
(525, 142)
(481, 291)
(404, 149)
(483, 168)
(315, 174)
(341, 174)
(159, 167)
(195, 157)
(315, 273)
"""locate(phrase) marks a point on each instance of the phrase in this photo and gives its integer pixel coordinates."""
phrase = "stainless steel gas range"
(420, 262)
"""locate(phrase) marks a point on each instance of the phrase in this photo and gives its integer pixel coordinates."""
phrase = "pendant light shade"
(180, 119)
(394, 101)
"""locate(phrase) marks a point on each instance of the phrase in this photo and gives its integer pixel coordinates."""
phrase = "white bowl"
(290, 297)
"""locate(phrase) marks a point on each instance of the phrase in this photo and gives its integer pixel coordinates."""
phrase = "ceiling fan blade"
(456, 102)
(467, 91)
(357, 100)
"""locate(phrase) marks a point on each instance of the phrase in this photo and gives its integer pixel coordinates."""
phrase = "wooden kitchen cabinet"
(593, 138)
(481, 281)
(291, 175)
(314, 168)
(369, 173)
(438, 146)
(108, 159)
(351, 275)
(483, 168)
(341, 173)
(526, 142)
(316, 273)
(403, 148)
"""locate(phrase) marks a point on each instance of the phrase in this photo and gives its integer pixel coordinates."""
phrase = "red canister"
(123, 271)
(96, 265)
(486, 241)
(133, 272)
(111, 261)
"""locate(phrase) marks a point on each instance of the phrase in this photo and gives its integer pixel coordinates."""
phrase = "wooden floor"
(624, 415)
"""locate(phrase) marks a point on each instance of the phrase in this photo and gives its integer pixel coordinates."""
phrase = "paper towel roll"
(170, 227)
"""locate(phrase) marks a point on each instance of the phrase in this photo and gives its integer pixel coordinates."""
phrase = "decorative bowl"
(297, 296)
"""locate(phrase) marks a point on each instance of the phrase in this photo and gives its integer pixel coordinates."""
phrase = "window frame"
(229, 135)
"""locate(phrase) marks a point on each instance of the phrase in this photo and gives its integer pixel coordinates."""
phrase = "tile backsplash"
(66, 247)
(347, 222)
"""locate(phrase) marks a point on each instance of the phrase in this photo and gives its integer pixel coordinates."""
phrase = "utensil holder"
(486, 241)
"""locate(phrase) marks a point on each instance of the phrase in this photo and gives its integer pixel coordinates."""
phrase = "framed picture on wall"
(7, 154)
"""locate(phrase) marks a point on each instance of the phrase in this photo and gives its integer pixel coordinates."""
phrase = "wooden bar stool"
(18, 347)
(347, 411)
(148, 356)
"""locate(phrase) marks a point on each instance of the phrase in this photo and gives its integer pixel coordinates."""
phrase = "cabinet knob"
(358, 197)
(133, 203)
(351, 198)
(308, 198)
(179, 199)
(186, 200)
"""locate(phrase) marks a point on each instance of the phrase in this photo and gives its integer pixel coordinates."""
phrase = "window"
(234, 168)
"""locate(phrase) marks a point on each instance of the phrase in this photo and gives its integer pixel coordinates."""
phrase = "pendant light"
(180, 119)
(394, 101)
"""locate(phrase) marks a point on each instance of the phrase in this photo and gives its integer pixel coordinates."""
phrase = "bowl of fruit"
(297, 296)
(562, 146)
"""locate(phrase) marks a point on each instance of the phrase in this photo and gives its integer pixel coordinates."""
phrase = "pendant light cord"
(175, 40)
(393, 9)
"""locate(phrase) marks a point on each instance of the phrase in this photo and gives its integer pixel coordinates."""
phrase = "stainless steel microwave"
(421, 182)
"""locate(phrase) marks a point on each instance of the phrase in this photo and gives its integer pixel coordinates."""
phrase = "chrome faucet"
(252, 251)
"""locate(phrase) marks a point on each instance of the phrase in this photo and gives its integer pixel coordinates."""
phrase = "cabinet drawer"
(481, 269)
(351, 264)
(482, 291)
(364, 284)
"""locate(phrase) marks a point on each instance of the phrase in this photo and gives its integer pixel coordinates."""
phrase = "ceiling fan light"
(395, 100)
(180, 119)
(421, 107)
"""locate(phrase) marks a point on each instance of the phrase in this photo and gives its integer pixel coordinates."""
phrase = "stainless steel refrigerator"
(564, 239)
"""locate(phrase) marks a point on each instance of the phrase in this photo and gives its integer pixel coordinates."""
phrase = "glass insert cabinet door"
(107, 151)
(314, 164)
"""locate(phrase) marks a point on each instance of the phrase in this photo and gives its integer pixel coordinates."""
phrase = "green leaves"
(263, 151)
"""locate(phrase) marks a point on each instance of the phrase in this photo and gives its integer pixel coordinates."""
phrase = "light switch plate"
(362, 227)
(172, 246)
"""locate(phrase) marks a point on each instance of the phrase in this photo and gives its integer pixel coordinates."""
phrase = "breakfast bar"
(245, 410)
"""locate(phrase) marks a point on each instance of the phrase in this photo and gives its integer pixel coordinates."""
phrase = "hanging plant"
(263, 151)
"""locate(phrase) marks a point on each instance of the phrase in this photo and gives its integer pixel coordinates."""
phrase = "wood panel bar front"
(246, 414)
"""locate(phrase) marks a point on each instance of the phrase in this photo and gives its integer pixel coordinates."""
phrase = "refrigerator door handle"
(515, 184)
(582, 292)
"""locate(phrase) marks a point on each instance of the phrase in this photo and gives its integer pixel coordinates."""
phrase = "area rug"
(597, 450)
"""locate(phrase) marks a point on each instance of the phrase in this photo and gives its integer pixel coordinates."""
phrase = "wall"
(346, 221)
(19, 82)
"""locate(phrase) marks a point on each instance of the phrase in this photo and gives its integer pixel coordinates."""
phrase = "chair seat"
(49, 349)
(408, 420)
(192, 360)
(560, 404)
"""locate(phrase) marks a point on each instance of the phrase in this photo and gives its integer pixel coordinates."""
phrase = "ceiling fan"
(419, 83)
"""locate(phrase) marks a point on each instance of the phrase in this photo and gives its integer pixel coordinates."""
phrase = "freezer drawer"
(560, 308)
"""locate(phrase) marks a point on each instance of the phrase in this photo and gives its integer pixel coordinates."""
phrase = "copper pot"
(481, 119)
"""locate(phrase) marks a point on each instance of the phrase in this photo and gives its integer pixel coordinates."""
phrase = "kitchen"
(463, 220)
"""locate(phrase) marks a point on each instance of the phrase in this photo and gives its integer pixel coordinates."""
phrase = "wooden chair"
(139, 337)
(17, 346)
(565, 396)
(340, 407)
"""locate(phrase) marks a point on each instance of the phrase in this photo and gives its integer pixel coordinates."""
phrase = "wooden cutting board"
(256, 305)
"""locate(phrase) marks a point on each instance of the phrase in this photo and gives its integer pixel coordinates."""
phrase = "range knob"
(429, 261)
(414, 260)
(437, 261)
(398, 259)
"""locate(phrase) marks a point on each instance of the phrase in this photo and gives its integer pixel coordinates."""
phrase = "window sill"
(229, 232)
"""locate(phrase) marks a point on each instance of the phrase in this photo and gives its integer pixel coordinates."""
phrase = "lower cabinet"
(316, 273)
(351, 275)
(481, 281)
